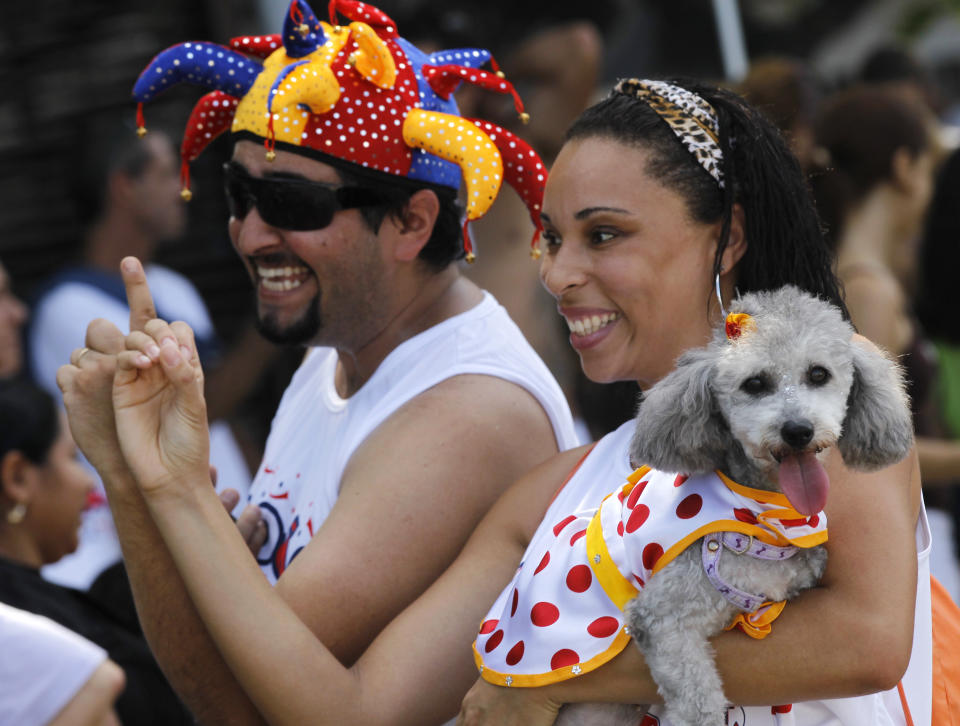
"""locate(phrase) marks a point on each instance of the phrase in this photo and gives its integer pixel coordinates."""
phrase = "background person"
(788, 92)
(52, 677)
(937, 264)
(43, 490)
(638, 230)
(129, 190)
(873, 197)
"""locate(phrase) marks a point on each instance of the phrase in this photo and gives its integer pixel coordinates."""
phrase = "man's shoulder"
(463, 425)
(491, 405)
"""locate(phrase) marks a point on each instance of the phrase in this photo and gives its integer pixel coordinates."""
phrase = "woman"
(43, 490)
(873, 193)
(873, 197)
(639, 232)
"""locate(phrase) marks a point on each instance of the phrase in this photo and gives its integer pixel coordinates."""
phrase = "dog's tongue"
(804, 482)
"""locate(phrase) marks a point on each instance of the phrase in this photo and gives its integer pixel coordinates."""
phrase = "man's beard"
(300, 332)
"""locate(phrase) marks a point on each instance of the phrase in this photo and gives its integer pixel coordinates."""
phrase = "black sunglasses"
(292, 204)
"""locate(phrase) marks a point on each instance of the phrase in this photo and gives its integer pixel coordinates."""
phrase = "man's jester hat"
(357, 93)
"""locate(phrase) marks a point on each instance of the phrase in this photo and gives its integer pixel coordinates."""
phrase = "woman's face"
(60, 496)
(631, 272)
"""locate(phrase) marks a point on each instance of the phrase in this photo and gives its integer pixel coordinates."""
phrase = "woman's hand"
(489, 705)
(87, 386)
(160, 411)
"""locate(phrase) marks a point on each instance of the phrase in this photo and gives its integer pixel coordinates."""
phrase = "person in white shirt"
(50, 676)
(418, 401)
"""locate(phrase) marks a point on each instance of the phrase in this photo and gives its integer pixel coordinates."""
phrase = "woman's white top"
(605, 468)
(42, 666)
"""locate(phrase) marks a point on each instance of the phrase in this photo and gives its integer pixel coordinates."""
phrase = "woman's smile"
(587, 328)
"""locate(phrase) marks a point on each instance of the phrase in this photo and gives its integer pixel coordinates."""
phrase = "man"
(129, 199)
(418, 402)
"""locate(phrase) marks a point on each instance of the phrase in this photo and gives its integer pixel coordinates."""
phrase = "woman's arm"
(849, 636)
(416, 672)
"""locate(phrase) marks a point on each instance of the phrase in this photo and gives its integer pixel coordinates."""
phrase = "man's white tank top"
(315, 431)
(606, 466)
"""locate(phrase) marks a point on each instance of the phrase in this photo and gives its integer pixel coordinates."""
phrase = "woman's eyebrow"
(584, 213)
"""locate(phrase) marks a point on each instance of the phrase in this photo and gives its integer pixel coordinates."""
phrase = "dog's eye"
(818, 375)
(755, 385)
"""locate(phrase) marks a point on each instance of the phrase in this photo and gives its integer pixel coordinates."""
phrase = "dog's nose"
(797, 433)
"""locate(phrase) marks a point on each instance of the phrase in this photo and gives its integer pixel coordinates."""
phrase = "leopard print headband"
(691, 118)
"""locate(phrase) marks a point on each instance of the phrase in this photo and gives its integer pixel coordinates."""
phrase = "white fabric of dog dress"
(563, 616)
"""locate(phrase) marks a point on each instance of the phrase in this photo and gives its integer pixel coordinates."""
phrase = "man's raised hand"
(159, 408)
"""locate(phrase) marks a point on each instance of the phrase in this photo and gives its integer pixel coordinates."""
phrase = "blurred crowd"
(877, 148)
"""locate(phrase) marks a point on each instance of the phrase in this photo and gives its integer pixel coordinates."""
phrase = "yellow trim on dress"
(637, 475)
(532, 680)
(618, 588)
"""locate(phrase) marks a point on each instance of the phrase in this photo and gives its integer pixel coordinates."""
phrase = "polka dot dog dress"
(562, 613)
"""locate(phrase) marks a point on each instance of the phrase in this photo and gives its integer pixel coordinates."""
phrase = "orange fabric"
(946, 657)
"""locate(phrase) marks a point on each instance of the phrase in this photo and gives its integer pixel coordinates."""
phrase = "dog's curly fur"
(701, 417)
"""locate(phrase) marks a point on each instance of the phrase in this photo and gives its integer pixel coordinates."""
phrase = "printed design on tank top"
(277, 553)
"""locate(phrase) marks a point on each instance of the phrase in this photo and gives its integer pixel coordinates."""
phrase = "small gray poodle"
(762, 403)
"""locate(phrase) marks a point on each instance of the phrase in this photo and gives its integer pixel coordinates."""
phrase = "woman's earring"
(716, 282)
(16, 515)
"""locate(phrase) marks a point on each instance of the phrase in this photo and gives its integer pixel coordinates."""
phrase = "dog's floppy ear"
(878, 428)
(678, 425)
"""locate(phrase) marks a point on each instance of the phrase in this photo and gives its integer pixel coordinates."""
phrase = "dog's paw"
(818, 561)
(815, 562)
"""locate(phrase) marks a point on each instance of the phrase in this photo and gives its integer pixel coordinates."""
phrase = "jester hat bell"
(354, 92)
